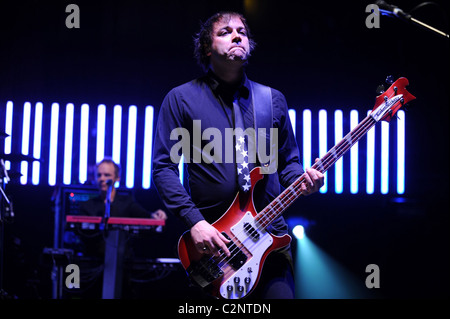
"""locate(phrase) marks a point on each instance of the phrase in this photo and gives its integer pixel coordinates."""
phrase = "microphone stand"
(107, 205)
(424, 25)
(391, 10)
(114, 254)
(5, 212)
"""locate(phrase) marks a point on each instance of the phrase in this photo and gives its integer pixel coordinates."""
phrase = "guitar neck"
(290, 194)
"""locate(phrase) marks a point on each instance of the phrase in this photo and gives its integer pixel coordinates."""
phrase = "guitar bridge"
(204, 271)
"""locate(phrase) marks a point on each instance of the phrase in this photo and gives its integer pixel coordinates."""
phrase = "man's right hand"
(208, 240)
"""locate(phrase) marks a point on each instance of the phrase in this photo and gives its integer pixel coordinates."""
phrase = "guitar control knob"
(229, 288)
(237, 280)
(247, 280)
(249, 269)
(240, 288)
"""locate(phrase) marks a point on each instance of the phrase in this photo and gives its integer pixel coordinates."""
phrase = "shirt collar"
(219, 86)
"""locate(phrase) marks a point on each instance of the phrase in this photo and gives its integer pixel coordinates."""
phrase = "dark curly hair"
(203, 39)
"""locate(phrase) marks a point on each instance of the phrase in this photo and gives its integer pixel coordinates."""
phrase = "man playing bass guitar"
(195, 119)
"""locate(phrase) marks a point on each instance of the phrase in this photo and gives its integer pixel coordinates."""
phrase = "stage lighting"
(8, 130)
(307, 137)
(148, 139)
(354, 155)
(298, 231)
(131, 145)
(53, 151)
(37, 142)
(339, 166)
(380, 170)
(25, 141)
(68, 143)
(293, 117)
(117, 133)
(101, 125)
(323, 144)
(370, 168)
(401, 152)
(384, 157)
(84, 143)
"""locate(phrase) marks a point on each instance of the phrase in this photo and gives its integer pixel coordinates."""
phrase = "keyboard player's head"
(107, 173)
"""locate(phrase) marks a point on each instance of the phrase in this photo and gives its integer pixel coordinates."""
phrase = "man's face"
(229, 41)
(105, 171)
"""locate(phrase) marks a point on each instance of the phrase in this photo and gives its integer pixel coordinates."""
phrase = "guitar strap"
(263, 120)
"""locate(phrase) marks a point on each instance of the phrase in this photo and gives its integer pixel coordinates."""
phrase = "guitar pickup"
(251, 231)
(237, 258)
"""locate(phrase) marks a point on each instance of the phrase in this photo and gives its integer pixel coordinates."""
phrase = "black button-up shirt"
(205, 103)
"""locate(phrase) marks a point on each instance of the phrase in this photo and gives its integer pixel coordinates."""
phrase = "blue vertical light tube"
(148, 140)
(38, 110)
(354, 160)
(53, 149)
(323, 144)
(68, 144)
(401, 152)
(339, 166)
(131, 146)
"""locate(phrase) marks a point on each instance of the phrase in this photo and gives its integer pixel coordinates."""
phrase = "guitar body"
(236, 276)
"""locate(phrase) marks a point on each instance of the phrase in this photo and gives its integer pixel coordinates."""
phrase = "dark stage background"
(319, 54)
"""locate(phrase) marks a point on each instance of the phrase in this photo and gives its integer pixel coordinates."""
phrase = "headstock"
(391, 100)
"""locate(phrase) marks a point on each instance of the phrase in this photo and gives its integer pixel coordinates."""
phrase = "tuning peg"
(380, 89)
(389, 79)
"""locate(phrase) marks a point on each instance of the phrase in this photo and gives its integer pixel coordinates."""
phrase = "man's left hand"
(314, 180)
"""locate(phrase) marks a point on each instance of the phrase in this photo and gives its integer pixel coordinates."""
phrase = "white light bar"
(38, 110)
(370, 165)
(292, 117)
(68, 144)
(401, 152)
(147, 155)
(53, 149)
(8, 130)
(25, 141)
(354, 160)
(117, 134)
(101, 122)
(384, 157)
(84, 143)
(339, 165)
(131, 146)
(307, 135)
(323, 145)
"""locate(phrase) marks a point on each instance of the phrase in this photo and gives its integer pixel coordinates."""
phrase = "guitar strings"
(326, 161)
(360, 130)
(287, 197)
(292, 193)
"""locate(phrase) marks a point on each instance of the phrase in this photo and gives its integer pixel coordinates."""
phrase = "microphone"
(389, 9)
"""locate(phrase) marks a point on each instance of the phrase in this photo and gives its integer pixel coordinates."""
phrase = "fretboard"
(290, 194)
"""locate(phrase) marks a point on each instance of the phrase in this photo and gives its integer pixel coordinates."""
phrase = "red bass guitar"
(237, 276)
